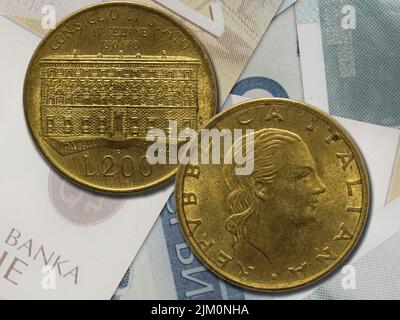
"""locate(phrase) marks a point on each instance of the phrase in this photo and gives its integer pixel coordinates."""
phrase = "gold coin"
(294, 216)
(102, 79)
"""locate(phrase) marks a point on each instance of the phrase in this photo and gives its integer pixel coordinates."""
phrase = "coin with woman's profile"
(102, 80)
(296, 212)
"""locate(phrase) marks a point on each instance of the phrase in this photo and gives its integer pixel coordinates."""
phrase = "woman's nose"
(319, 186)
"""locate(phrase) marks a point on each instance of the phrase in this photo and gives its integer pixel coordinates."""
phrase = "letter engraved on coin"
(344, 234)
(189, 199)
(326, 255)
(311, 126)
(206, 245)
(299, 272)
(346, 159)
(333, 137)
(193, 171)
(245, 270)
(223, 258)
(352, 209)
(196, 223)
(351, 184)
(274, 115)
(243, 118)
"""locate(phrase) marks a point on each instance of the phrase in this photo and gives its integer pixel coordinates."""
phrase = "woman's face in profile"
(297, 186)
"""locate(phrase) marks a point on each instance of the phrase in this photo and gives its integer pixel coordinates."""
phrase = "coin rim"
(299, 283)
(214, 91)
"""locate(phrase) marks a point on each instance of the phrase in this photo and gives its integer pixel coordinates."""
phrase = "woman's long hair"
(241, 200)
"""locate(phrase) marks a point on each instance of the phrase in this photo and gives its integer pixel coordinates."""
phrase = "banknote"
(165, 267)
(229, 29)
(372, 276)
(285, 4)
(274, 68)
(349, 57)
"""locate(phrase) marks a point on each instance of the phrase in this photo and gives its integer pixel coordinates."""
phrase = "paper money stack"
(340, 56)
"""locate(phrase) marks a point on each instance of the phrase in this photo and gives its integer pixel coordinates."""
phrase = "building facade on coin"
(104, 78)
(294, 215)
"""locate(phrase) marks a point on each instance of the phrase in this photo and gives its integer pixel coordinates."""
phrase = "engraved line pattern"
(117, 96)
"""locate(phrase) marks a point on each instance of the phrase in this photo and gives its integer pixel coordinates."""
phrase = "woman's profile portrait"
(268, 208)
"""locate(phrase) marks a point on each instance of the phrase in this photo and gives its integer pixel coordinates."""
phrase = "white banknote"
(89, 239)
(166, 268)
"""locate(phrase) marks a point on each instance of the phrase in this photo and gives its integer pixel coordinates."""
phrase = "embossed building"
(117, 96)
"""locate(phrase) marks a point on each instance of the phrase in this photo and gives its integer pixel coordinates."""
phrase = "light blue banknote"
(360, 57)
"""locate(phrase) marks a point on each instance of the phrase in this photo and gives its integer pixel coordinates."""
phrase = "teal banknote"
(350, 52)
(356, 62)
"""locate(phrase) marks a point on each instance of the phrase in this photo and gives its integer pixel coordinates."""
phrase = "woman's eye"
(303, 174)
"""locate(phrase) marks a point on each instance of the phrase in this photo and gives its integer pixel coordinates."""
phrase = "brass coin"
(104, 77)
(298, 213)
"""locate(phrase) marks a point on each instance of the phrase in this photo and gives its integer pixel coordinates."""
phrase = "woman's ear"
(260, 189)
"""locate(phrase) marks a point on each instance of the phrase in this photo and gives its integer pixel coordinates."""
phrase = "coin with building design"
(106, 76)
(290, 219)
